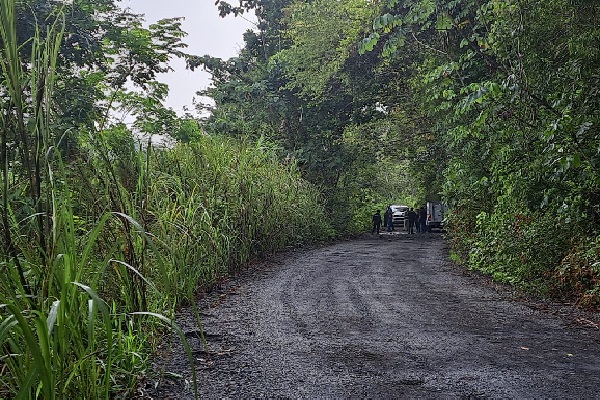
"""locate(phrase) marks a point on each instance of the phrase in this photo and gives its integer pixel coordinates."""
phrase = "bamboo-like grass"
(98, 251)
(58, 337)
(228, 202)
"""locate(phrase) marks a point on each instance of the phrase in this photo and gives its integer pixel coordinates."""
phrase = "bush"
(517, 247)
(578, 275)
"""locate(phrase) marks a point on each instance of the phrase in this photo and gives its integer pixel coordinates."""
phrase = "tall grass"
(218, 203)
(99, 250)
(58, 337)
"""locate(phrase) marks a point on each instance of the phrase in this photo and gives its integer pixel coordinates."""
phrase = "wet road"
(380, 317)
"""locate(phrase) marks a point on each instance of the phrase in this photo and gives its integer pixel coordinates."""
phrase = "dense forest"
(330, 110)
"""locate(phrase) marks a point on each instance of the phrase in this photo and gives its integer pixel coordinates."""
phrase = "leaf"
(583, 128)
(51, 320)
(576, 160)
(444, 23)
(94, 296)
(135, 271)
(368, 43)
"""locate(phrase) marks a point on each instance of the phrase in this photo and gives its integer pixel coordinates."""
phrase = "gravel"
(380, 316)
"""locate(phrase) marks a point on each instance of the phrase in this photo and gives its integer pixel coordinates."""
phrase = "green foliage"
(321, 43)
(95, 257)
(301, 82)
(227, 203)
(491, 105)
(201, 210)
(518, 248)
(579, 272)
(510, 91)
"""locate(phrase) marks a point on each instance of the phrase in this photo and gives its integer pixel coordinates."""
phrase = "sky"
(207, 34)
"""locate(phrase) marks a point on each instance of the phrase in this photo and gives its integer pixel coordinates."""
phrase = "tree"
(509, 87)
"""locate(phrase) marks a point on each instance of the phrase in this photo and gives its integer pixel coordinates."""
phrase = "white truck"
(435, 215)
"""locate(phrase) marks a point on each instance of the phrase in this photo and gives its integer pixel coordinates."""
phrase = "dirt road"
(381, 317)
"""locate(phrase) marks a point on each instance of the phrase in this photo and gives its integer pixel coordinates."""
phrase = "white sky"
(207, 34)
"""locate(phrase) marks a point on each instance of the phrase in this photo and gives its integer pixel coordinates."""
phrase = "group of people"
(417, 220)
(387, 220)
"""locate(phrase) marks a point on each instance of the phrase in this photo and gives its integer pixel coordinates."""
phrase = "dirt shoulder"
(379, 316)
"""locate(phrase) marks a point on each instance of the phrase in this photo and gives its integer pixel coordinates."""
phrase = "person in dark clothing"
(423, 219)
(385, 217)
(376, 222)
(412, 219)
(388, 220)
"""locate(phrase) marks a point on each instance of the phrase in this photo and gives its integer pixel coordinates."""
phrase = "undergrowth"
(100, 247)
(534, 251)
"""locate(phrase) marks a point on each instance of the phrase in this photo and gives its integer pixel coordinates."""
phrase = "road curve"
(381, 317)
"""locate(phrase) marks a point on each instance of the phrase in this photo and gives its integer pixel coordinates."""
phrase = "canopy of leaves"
(493, 103)
(511, 91)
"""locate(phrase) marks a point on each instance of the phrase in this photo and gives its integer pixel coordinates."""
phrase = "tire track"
(383, 318)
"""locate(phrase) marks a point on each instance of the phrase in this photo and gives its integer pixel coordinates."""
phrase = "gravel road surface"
(381, 317)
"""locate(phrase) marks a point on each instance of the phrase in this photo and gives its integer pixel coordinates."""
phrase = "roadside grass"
(99, 250)
(93, 318)
(216, 204)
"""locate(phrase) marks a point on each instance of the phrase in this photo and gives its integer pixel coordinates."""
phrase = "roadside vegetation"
(105, 234)
(331, 110)
(491, 106)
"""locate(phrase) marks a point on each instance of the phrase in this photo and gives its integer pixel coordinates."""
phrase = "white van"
(435, 214)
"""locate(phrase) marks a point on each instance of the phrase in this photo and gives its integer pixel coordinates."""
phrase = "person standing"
(376, 222)
(388, 219)
(423, 219)
(412, 219)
